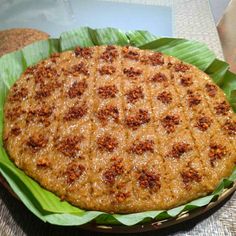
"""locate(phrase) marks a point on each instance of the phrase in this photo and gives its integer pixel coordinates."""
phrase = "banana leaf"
(44, 204)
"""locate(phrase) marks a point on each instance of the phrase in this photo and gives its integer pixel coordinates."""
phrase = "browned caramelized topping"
(203, 123)
(140, 147)
(54, 57)
(45, 89)
(149, 180)
(134, 94)
(43, 162)
(131, 54)
(107, 70)
(14, 113)
(132, 72)
(110, 54)
(76, 112)
(159, 78)
(30, 70)
(43, 92)
(15, 131)
(115, 170)
(190, 175)
(83, 52)
(186, 80)
(230, 127)
(178, 149)
(80, 68)
(69, 146)
(193, 99)
(18, 94)
(165, 97)
(108, 91)
(37, 142)
(121, 196)
(74, 171)
(107, 143)
(181, 67)
(144, 59)
(216, 152)
(108, 112)
(170, 122)
(222, 108)
(43, 73)
(77, 89)
(156, 59)
(211, 90)
(40, 115)
(140, 118)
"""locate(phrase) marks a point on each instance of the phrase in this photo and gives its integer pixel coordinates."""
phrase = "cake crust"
(119, 129)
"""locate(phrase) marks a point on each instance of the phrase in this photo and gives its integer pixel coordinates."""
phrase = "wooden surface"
(227, 33)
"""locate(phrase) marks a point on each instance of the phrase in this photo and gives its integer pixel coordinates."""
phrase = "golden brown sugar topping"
(15, 131)
(149, 180)
(216, 152)
(116, 169)
(178, 149)
(141, 117)
(119, 129)
(108, 91)
(76, 112)
(158, 78)
(37, 142)
(194, 98)
(77, 89)
(14, 113)
(190, 175)
(130, 53)
(222, 108)
(132, 72)
(122, 196)
(165, 97)
(211, 89)
(83, 52)
(107, 70)
(107, 143)
(186, 80)
(140, 147)
(181, 67)
(203, 123)
(43, 162)
(74, 171)
(18, 94)
(69, 146)
(170, 122)
(156, 59)
(110, 54)
(107, 113)
(80, 68)
(133, 95)
(230, 127)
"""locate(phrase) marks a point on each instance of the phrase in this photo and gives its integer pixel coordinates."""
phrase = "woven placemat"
(192, 19)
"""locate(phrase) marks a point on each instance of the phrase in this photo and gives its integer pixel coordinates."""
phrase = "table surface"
(15, 219)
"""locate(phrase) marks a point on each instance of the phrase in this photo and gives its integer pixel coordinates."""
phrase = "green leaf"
(44, 204)
(69, 40)
(108, 36)
(140, 37)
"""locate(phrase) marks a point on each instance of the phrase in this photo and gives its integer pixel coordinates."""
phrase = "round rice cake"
(119, 129)
(15, 39)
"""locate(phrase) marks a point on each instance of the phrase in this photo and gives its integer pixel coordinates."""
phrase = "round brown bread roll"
(14, 39)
